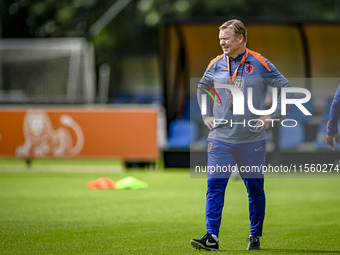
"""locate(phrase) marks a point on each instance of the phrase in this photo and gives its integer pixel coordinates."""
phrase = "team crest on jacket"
(249, 69)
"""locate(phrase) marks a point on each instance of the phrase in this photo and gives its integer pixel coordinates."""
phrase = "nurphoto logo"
(238, 102)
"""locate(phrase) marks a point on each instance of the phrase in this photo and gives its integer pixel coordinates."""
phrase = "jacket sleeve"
(207, 79)
(276, 79)
(334, 114)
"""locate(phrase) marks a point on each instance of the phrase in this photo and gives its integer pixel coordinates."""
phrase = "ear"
(240, 38)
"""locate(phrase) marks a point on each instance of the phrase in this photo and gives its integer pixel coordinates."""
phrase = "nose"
(222, 42)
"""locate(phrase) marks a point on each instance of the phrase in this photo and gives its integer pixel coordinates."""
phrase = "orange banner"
(126, 133)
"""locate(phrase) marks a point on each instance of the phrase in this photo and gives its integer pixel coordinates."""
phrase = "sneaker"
(254, 243)
(207, 242)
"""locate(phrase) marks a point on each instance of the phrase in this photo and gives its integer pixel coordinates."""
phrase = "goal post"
(49, 70)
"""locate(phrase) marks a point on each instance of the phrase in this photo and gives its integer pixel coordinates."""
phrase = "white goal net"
(53, 70)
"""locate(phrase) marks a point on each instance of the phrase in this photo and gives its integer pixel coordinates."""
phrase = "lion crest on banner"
(41, 140)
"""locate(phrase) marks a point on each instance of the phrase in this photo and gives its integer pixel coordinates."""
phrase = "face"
(231, 45)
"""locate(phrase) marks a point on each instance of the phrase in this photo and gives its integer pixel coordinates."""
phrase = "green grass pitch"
(55, 213)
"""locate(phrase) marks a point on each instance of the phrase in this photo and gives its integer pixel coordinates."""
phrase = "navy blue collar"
(238, 58)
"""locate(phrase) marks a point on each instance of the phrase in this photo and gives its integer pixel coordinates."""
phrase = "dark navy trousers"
(222, 158)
